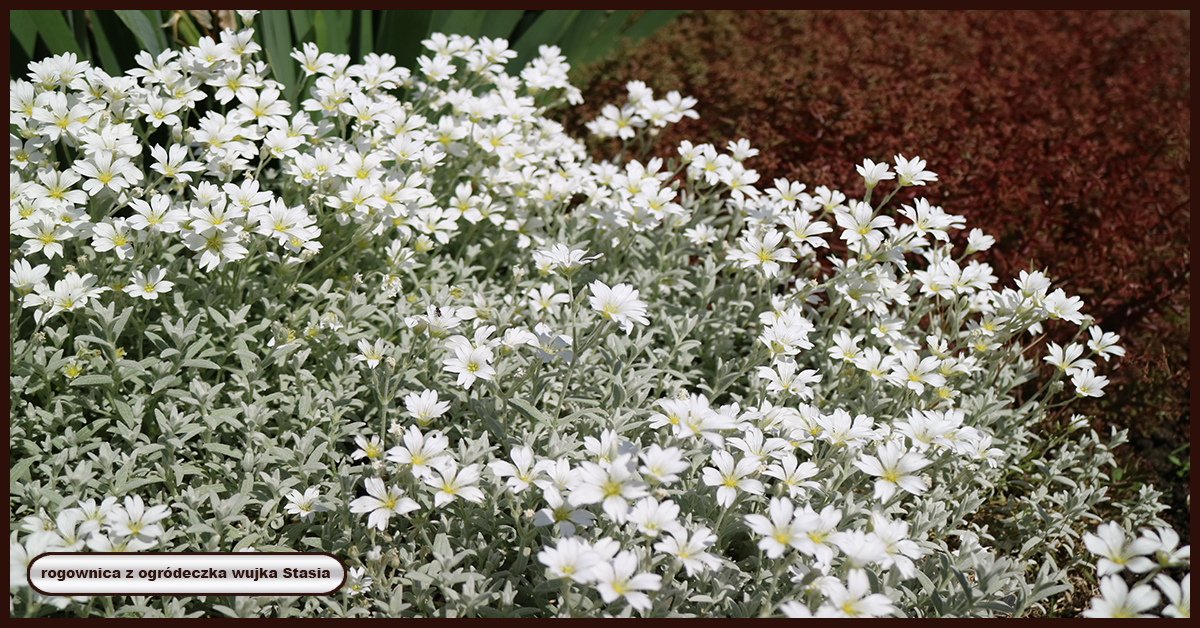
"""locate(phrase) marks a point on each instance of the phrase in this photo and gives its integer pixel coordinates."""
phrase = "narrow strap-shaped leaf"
(277, 42)
(500, 23)
(77, 20)
(400, 33)
(302, 24)
(333, 31)
(463, 22)
(605, 39)
(546, 29)
(363, 34)
(649, 22)
(53, 28)
(143, 30)
(580, 33)
(23, 29)
(104, 50)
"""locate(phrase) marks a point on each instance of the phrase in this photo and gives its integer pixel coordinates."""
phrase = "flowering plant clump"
(409, 322)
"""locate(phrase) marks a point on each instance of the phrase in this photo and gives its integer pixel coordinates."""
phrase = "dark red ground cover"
(1065, 135)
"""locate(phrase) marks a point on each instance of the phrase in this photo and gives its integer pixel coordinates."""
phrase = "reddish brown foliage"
(1065, 135)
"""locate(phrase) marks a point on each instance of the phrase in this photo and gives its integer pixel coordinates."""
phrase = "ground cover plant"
(409, 321)
(1065, 135)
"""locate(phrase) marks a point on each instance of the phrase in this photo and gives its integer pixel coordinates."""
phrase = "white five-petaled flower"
(135, 520)
(423, 452)
(894, 468)
(654, 518)
(1178, 593)
(691, 551)
(470, 363)
(873, 173)
(853, 599)
(611, 484)
(425, 406)
(559, 511)
(620, 578)
(1104, 343)
(562, 258)
(372, 354)
(148, 285)
(455, 483)
(762, 253)
(382, 502)
(1116, 552)
(571, 558)
(620, 304)
(913, 172)
(1118, 601)
(730, 477)
(520, 472)
(779, 531)
(304, 504)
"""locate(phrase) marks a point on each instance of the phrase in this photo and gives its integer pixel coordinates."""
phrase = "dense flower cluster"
(1015, 110)
(429, 332)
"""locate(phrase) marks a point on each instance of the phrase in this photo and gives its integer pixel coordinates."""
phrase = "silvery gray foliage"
(411, 323)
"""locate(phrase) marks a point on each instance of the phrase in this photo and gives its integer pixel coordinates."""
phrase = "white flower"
(782, 377)
(762, 253)
(520, 472)
(900, 551)
(470, 364)
(1119, 601)
(1104, 343)
(894, 468)
(1178, 593)
(424, 406)
(977, 241)
(612, 484)
(619, 304)
(1088, 384)
(730, 477)
(818, 528)
(148, 285)
(423, 452)
(691, 551)
(873, 173)
(305, 504)
(780, 531)
(24, 277)
(560, 512)
(1068, 359)
(381, 502)
(372, 354)
(654, 518)
(358, 582)
(620, 579)
(571, 558)
(563, 258)
(662, 465)
(794, 475)
(1116, 552)
(455, 483)
(367, 449)
(913, 172)
(853, 600)
(136, 521)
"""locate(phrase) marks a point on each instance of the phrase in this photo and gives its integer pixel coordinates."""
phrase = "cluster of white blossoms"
(1145, 557)
(648, 384)
(111, 525)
